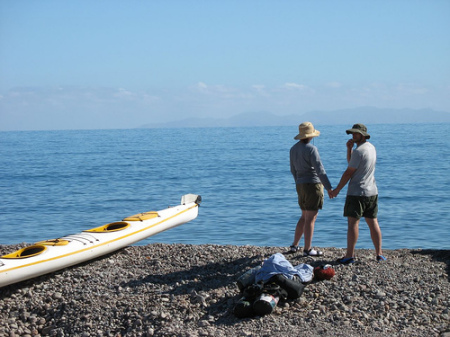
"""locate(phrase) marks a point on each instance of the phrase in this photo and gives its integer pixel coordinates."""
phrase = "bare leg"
(299, 229)
(310, 220)
(352, 236)
(375, 234)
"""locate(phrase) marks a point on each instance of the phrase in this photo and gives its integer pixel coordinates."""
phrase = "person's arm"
(291, 161)
(344, 180)
(349, 149)
(320, 170)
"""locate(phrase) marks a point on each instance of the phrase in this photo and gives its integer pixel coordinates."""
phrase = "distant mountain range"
(366, 115)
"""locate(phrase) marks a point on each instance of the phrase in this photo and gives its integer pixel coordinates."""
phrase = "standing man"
(310, 178)
(362, 193)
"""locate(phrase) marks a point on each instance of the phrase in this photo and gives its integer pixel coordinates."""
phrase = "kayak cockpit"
(111, 227)
(23, 253)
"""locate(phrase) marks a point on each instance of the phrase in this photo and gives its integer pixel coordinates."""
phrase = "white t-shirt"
(363, 183)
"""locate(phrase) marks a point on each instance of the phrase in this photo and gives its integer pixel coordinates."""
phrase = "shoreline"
(190, 290)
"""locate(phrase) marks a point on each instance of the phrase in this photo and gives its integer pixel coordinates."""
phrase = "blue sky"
(121, 64)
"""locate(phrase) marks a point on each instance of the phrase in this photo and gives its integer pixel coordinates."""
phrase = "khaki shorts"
(310, 196)
(358, 207)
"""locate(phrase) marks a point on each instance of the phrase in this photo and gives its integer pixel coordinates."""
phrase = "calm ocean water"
(54, 183)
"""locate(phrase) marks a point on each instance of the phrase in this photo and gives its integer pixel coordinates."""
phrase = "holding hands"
(332, 193)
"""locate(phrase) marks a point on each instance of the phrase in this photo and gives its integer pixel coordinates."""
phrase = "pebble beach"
(190, 290)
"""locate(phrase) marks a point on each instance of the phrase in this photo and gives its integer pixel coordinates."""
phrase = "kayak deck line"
(82, 237)
(92, 238)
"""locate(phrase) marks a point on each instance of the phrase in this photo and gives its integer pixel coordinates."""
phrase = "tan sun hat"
(306, 130)
(358, 128)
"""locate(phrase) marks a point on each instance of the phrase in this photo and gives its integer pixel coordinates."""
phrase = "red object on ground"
(325, 272)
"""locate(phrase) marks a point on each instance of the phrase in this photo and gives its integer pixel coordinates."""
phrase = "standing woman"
(310, 178)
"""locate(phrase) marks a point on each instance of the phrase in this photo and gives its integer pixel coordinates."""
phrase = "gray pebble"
(190, 291)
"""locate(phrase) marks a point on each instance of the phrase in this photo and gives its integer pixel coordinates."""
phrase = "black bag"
(293, 288)
(244, 308)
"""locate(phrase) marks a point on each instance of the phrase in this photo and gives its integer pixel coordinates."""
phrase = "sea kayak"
(51, 255)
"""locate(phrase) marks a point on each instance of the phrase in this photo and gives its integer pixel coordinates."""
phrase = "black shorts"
(359, 206)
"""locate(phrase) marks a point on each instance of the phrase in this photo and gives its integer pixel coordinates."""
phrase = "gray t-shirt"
(363, 183)
(306, 166)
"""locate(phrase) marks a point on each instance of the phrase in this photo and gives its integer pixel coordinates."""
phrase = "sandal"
(312, 252)
(346, 260)
(293, 249)
(381, 258)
